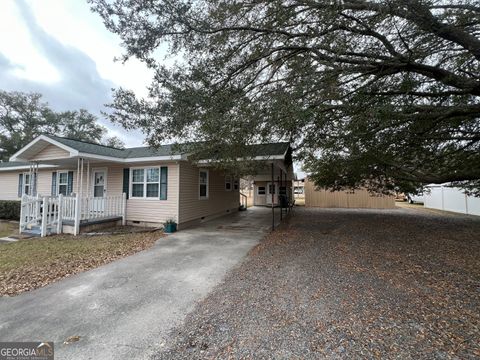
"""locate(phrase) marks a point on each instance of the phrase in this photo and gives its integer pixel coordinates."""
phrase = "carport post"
(273, 209)
(278, 196)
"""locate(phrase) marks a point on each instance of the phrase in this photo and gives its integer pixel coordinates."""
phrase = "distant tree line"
(24, 116)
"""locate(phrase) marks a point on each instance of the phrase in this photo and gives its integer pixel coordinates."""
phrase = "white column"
(88, 178)
(81, 178)
(78, 175)
(124, 209)
(43, 231)
(21, 216)
(76, 230)
(60, 214)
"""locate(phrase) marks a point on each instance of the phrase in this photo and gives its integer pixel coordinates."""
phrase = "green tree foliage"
(383, 94)
(114, 142)
(23, 116)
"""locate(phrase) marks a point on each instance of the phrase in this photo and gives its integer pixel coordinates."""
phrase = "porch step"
(34, 231)
(37, 231)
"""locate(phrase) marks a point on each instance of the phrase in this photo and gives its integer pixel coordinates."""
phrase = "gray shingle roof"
(136, 152)
(269, 149)
(13, 163)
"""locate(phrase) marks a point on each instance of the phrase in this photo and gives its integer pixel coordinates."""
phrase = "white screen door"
(99, 182)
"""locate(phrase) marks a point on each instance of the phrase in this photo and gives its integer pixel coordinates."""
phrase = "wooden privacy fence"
(345, 199)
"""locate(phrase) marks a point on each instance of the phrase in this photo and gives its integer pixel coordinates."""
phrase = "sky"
(62, 50)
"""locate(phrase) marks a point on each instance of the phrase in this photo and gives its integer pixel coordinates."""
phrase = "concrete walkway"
(125, 309)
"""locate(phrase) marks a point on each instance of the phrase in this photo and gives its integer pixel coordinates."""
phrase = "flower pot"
(170, 228)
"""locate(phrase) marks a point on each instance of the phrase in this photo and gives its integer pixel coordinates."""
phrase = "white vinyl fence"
(451, 199)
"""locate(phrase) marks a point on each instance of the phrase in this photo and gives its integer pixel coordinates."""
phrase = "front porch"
(46, 215)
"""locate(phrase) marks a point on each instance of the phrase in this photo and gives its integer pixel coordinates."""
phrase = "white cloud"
(62, 50)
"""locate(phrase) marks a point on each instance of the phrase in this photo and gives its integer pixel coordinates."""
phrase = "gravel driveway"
(401, 283)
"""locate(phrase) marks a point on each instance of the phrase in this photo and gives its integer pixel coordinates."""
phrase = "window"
(203, 184)
(261, 190)
(228, 183)
(149, 183)
(235, 185)
(138, 182)
(62, 184)
(282, 190)
(153, 182)
(26, 184)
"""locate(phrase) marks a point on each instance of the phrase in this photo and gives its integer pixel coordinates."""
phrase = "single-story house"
(141, 185)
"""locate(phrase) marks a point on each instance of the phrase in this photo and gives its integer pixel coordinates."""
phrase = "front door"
(272, 190)
(99, 181)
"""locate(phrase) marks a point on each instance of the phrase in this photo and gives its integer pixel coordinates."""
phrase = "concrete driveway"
(125, 309)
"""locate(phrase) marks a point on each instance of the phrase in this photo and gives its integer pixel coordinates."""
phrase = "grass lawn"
(8, 228)
(33, 263)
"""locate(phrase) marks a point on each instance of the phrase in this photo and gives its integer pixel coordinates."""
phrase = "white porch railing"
(41, 213)
(48, 213)
(30, 214)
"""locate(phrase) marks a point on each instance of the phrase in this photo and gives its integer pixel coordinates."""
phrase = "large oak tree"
(372, 93)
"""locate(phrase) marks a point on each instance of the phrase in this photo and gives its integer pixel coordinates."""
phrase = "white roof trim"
(16, 156)
(131, 160)
(156, 158)
(26, 167)
(270, 157)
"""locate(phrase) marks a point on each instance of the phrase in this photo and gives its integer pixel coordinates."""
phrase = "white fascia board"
(130, 160)
(26, 167)
(256, 158)
(16, 156)
(155, 158)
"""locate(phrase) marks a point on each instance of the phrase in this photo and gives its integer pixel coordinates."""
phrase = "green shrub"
(9, 210)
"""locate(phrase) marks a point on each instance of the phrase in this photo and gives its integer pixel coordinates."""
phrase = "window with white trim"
(235, 185)
(261, 190)
(62, 182)
(228, 183)
(203, 184)
(26, 184)
(145, 182)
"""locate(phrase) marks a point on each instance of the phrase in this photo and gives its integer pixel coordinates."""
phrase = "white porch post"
(81, 178)
(43, 232)
(78, 175)
(76, 229)
(88, 178)
(37, 207)
(124, 209)
(60, 214)
(21, 215)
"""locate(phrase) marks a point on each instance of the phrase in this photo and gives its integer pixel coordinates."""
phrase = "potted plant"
(170, 226)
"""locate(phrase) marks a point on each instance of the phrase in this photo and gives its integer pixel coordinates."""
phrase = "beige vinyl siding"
(9, 185)
(345, 199)
(155, 210)
(51, 152)
(218, 202)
